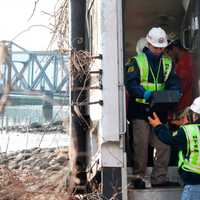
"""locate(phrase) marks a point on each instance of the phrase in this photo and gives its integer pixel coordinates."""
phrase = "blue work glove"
(147, 95)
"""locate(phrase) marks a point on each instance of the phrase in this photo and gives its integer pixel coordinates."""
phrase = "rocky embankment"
(35, 174)
(36, 127)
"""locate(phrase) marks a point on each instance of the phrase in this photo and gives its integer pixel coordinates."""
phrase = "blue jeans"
(191, 192)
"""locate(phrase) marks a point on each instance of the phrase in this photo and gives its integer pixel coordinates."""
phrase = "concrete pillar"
(47, 106)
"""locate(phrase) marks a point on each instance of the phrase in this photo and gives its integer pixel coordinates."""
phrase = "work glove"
(147, 95)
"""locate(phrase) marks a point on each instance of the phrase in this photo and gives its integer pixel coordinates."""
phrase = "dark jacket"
(135, 90)
(179, 142)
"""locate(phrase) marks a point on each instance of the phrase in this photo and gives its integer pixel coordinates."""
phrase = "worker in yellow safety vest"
(187, 142)
(147, 72)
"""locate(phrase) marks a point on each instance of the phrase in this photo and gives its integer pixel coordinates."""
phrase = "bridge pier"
(47, 106)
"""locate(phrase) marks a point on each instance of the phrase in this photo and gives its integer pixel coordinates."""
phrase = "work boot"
(139, 184)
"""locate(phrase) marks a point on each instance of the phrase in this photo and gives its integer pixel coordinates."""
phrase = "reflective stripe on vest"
(191, 160)
(145, 69)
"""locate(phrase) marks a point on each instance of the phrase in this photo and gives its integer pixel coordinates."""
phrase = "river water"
(24, 116)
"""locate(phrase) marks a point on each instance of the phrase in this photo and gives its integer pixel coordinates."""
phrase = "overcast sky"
(15, 18)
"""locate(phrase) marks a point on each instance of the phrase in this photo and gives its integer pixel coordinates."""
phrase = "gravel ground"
(34, 174)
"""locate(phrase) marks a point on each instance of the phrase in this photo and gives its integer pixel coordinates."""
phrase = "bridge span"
(33, 77)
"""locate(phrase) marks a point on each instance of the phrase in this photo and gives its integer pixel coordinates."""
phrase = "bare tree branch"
(35, 5)
(29, 28)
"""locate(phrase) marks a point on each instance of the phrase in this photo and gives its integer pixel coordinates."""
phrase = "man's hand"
(155, 121)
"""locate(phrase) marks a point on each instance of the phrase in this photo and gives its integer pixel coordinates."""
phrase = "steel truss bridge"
(33, 75)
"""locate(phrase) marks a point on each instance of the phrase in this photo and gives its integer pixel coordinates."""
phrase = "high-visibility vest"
(190, 160)
(145, 69)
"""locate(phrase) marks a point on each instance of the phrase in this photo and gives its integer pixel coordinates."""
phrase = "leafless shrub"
(11, 187)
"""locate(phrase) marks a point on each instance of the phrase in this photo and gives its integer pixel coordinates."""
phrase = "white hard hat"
(195, 107)
(157, 37)
(141, 43)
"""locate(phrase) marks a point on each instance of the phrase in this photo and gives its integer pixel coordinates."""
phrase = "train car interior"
(180, 19)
